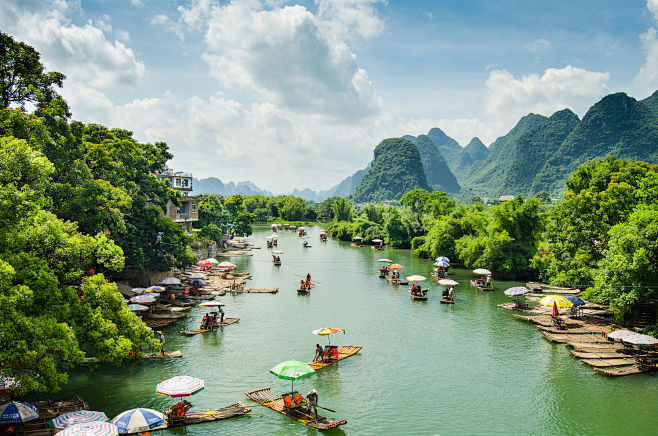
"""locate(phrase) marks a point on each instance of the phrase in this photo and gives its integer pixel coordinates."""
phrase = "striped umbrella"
(7, 383)
(197, 276)
(17, 411)
(327, 331)
(384, 260)
(96, 428)
(143, 299)
(516, 290)
(442, 263)
(226, 264)
(137, 420)
(155, 288)
(482, 271)
(448, 282)
(395, 266)
(211, 304)
(416, 278)
(442, 259)
(213, 261)
(170, 281)
(180, 386)
(137, 307)
(633, 337)
(78, 417)
(138, 290)
(204, 262)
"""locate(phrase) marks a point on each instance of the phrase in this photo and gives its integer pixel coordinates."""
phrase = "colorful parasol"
(384, 260)
(226, 264)
(442, 259)
(138, 290)
(137, 420)
(14, 412)
(77, 417)
(170, 281)
(292, 370)
(560, 301)
(204, 262)
(576, 301)
(197, 276)
(6, 384)
(357, 237)
(416, 278)
(633, 337)
(328, 331)
(442, 263)
(180, 386)
(377, 241)
(482, 271)
(95, 428)
(143, 299)
(213, 261)
(516, 290)
(137, 307)
(395, 266)
(211, 304)
(448, 282)
(155, 288)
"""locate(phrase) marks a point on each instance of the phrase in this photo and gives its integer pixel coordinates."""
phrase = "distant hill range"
(538, 154)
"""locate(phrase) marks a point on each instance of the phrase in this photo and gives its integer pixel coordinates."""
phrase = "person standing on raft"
(319, 353)
(312, 399)
(162, 343)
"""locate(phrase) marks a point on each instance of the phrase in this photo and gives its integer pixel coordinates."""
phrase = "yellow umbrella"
(560, 301)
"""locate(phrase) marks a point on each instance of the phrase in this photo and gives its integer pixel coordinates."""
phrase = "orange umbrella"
(395, 266)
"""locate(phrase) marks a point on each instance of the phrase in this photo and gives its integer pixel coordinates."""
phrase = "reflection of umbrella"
(395, 266)
(442, 259)
(170, 281)
(204, 262)
(633, 337)
(448, 282)
(560, 301)
(226, 264)
(211, 304)
(137, 307)
(416, 278)
(482, 271)
(357, 237)
(95, 428)
(292, 370)
(517, 290)
(306, 237)
(78, 417)
(576, 301)
(143, 299)
(273, 236)
(138, 420)
(384, 260)
(180, 386)
(155, 288)
(277, 252)
(17, 411)
(442, 263)
(327, 331)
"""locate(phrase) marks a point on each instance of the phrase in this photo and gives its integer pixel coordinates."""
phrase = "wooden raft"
(418, 296)
(272, 400)
(166, 355)
(48, 410)
(236, 409)
(344, 352)
(482, 288)
(227, 321)
(248, 291)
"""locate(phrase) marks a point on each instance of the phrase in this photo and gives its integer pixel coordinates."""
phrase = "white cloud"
(137, 3)
(429, 15)
(345, 19)
(652, 5)
(646, 79)
(172, 26)
(509, 98)
(122, 35)
(83, 53)
(540, 46)
(285, 56)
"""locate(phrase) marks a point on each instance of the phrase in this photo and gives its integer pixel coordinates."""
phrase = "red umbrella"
(204, 262)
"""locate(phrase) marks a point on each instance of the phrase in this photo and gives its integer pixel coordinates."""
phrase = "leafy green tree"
(342, 209)
(243, 223)
(211, 232)
(396, 231)
(212, 212)
(325, 209)
(234, 204)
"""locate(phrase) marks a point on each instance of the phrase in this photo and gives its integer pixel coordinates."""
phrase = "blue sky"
(297, 94)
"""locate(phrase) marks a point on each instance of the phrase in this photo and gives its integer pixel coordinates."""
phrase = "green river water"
(425, 368)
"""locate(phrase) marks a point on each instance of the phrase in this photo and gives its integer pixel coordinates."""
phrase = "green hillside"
(488, 175)
(395, 169)
(477, 150)
(652, 102)
(449, 148)
(617, 125)
(436, 169)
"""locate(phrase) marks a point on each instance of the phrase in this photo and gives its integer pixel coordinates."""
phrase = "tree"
(342, 209)
(212, 212)
(22, 77)
(396, 231)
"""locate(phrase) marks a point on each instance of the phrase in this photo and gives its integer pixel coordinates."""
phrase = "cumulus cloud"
(652, 5)
(83, 53)
(646, 79)
(556, 89)
(284, 55)
(345, 19)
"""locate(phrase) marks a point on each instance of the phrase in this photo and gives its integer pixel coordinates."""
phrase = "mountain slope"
(652, 102)
(477, 150)
(618, 125)
(490, 172)
(449, 148)
(436, 169)
(395, 169)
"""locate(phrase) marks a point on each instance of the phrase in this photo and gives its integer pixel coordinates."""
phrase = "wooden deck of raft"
(227, 321)
(605, 357)
(236, 409)
(48, 410)
(344, 352)
(272, 400)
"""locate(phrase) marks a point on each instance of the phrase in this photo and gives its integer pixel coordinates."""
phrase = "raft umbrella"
(292, 370)
(138, 290)
(576, 301)
(633, 337)
(328, 331)
(416, 278)
(448, 282)
(442, 263)
(170, 281)
(213, 261)
(78, 417)
(204, 262)
(7, 383)
(516, 290)
(395, 266)
(14, 412)
(377, 240)
(137, 420)
(482, 272)
(560, 301)
(357, 237)
(155, 288)
(95, 428)
(143, 299)
(442, 259)
(180, 386)
(211, 304)
(384, 260)
(197, 276)
(137, 307)
(226, 264)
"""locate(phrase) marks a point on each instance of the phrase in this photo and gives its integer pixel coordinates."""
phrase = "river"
(425, 368)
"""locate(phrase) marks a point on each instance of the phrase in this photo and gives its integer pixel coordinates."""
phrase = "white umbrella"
(277, 252)
(416, 278)
(482, 271)
(633, 337)
(448, 282)
(384, 260)
(138, 420)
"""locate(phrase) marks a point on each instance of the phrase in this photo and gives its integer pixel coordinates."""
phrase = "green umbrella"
(292, 370)
(212, 260)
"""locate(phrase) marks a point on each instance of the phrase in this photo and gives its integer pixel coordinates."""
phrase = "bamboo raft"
(446, 300)
(620, 370)
(306, 290)
(166, 355)
(248, 291)
(236, 409)
(227, 321)
(266, 397)
(482, 288)
(159, 323)
(167, 315)
(344, 352)
(396, 281)
(418, 296)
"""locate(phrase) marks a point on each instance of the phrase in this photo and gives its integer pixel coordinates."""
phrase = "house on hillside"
(188, 211)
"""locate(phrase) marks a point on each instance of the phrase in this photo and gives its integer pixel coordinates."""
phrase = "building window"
(193, 207)
(186, 183)
(178, 183)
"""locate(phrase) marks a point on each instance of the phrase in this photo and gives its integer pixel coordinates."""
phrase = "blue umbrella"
(155, 288)
(143, 299)
(197, 276)
(137, 420)
(17, 411)
(576, 301)
(517, 290)
(170, 281)
(442, 259)
(137, 307)
(442, 263)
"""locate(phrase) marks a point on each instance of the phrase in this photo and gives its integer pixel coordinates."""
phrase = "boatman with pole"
(162, 343)
(312, 399)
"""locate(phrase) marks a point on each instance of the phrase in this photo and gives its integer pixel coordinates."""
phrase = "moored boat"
(480, 287)
(270, 399)
(343, 353)
(418, 295)
(236, 409)
(227, 321)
